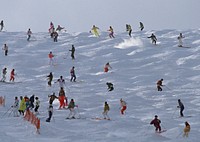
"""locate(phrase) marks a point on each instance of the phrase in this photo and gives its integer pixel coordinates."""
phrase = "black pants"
(36, 108)
(159, 88)
(181, 111)
(73, 77)
(50, 115)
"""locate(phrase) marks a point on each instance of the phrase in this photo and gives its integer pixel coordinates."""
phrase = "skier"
(52, 98)
(110, 86)
(4, 75)
(106, 67)
(15, 107)
(181, 106)
(71, 107)
(50, 111)
(106, 110)
(29, 33)
(22, 106)
(27, 102)
(180, 37)
(32, 99)
(159, 84)
(186, 129)
(55, 36)
(111, 32)
(59, 28)
(95, 31)
(61, 82)
(72, 52)
(51, 29)
(73, 76)
(153, 38)
(141, 26)
(156, 122)
(50, 78)
(5, 48)
(2, 25)
(37, 105)
(51, 56)
(123, 106)
(129, 29)
(62, 98)
(12, 75)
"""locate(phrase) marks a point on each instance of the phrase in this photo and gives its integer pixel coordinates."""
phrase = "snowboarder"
(4, 72)
(106, 110)
(71, 107)
(123, 106)
(72, 52)
(22, 106)
(37, 105)
(5, 48)
(153, 38)
(156, 122)
(94, 30)
(180, 37)
(50, 111)
(29, 33)
(186, 129)
(141, 26)
(110, 86)
(55, 36)
(181, 106)
(51, 56)
(62, 98)
(73, 76)
(129, 29)
(15, 107)
(159, 84)
(2, 25)
(59, 28)
(111, 34)
(32, 99)
(61, 82)
(50, 78)
(12, 75)
(106, 67)
(52, 98)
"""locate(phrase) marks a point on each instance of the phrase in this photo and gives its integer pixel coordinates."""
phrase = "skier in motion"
(111, 34)
(129, 29)
(159, 84)
(94, 30)
(110, 86)
(156, 122)
(2, 25)
(180, 37)
(4, 72)
(5, 48)
(12, 75)
(106, 110)
(181, 106)
(29, 33)
(73, 76)
(107, 67)
(153, 38)
(141, 26)
(72, 52)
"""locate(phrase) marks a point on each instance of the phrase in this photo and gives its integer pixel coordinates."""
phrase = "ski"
(161, 131)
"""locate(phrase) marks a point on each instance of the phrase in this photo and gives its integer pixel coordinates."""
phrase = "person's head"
(36, 98)
(61, 77)
(73, 67)
(121, 100)
(16, 98)
(179, 100)
(156, 116)
(161, 79)
(72, 100)
(21, 97)
(106, 103)
(186, 123)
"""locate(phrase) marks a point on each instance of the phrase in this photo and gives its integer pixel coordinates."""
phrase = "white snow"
(136, 66)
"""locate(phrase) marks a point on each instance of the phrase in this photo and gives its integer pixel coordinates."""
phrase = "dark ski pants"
(159, 88)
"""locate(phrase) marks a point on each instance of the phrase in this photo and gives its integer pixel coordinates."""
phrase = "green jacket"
(22, 105)
(106, 107)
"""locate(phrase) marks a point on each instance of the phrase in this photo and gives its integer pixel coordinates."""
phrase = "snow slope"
(136, 67)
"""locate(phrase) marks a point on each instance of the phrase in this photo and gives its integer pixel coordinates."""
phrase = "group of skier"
(12, 75)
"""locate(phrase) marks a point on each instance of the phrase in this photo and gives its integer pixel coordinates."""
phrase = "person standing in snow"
(2, 25)
(50, 112)
(111, 34)
(180, 37)
(156, 122)
(4, 72)
(5, 48)
(62, 98)
(106, 67)
(29, 33)
(15, 107)
(73, 75)
(105, 111)
(51, 56)
(110, 86)
(52, 98)
(55, 36)
(123, 106)
(71, 107)
(59, 28)
(159, 84)
(141, 26)
(12, 75)
(37, 105)
(50, 78)
(129, 29)
(181, 106)
(153, 38)
(32, 99)
(186, 130)
(61, 82)
(72, 52)
(51, 29)
(22, 106)
(94, 30)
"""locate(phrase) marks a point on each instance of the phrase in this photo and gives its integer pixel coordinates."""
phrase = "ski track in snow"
(136, 66)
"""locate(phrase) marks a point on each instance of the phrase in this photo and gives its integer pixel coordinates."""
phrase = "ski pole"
(179, 134)
(174, 113)
(10, 113)
(167, 87)
(6, 112)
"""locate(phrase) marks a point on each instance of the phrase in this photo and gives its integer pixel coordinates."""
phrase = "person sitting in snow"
(110, 86)
(153, 38)
(156, 122)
